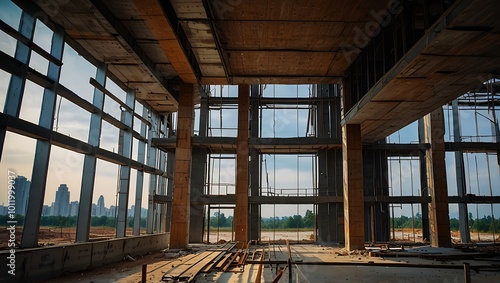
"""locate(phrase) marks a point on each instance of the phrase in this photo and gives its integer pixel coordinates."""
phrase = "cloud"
(72, 121)
(76, 72)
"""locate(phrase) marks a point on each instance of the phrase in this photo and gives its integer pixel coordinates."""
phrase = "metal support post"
(42, 153)
(460, 174)
(423, 183)
(15, 91)
(139, 184)
(162, 187)
(125, 149)
(153, 132)
(90, 161)
(198, 169)
(254, 225)
(170, 184)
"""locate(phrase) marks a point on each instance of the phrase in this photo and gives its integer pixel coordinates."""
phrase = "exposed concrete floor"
(158, 265)
(321, 273)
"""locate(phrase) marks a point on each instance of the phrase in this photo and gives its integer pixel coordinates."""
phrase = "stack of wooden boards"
(229, 257)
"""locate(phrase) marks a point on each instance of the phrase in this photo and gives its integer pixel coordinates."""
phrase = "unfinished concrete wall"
(48, 262)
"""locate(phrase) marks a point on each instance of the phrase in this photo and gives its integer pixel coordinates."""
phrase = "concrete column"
(179, 235)
(125, 149)
(242, 153)
(42, 153)
(353, 187)
(139, 184)
(436, 179)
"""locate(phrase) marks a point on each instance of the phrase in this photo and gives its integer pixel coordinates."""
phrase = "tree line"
(486, 224)
(285, 222)
(70, 221)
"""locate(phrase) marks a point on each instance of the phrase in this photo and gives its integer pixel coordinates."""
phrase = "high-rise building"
(46, 210)
(100, 206)
(94, 210)
(62, 201)
(3, 210)
(111, 211)
(22, 186)
(73, 208)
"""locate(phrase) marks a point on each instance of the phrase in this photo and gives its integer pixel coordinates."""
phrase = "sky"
(283, 172)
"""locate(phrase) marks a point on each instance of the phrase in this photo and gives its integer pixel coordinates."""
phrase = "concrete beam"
(353, 187)
(242, 153)
(436, 179)
(159, 17)
(179, 236)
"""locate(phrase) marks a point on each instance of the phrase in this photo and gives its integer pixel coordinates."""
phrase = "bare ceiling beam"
(127, 38)
(161, 19)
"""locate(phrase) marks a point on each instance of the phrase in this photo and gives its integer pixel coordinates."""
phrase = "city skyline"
(62, 204)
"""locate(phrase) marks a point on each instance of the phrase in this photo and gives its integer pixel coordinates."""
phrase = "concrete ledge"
(47, 262)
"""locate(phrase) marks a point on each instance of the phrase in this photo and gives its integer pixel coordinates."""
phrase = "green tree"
(309, 219)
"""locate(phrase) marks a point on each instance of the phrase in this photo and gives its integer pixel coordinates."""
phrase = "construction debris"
(215, 262)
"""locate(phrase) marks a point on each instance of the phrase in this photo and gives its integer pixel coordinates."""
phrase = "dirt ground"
(56, 235)
(49, 236)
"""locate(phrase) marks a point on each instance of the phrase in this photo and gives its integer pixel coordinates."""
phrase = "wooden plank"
(211, 265)
(232, 259)
(181, 264)
(196, 269)
(223, 261)
(187, 270)
(259, 271)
